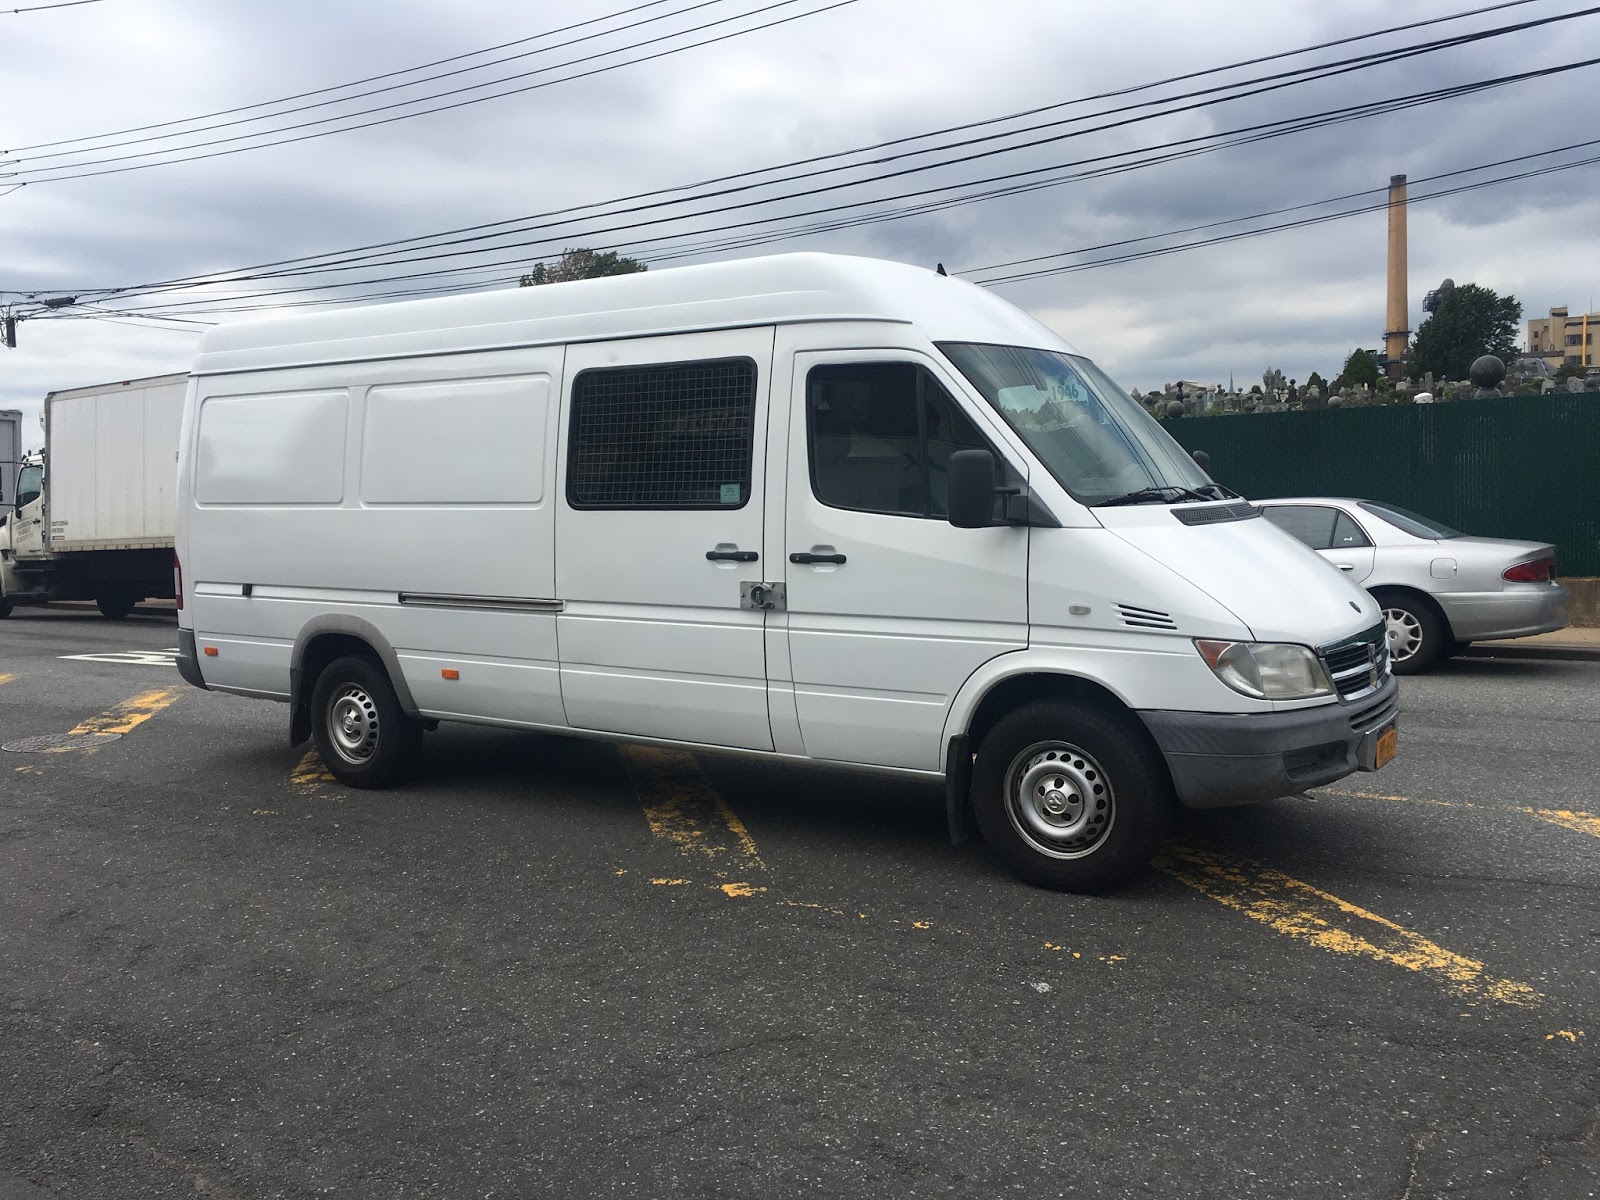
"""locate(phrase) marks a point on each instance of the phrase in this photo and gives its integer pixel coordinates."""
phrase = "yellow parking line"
(1309, 914)
(130, 714)
(685, 810)
(309, 773)
(1567, 818)
(1581, 821)
(5, 679)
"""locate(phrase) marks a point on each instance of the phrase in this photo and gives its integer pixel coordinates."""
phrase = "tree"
(1315, 380)
(1470, 321)
(1568, 370)
(1359, 368)
(581, 264)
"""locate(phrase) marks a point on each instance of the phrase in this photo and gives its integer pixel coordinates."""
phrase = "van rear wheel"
(1071, 797)
(364, 737)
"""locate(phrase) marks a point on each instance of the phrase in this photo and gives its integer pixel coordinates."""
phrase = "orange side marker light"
(211, 651)
(450, 673)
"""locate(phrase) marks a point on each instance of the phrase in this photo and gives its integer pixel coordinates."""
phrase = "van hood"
(1277, 587)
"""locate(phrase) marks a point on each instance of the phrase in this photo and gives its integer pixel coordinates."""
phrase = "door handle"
(1345, 566)
(805, 557)
(731, 556)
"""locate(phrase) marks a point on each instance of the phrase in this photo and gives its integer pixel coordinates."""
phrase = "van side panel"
(393, 492)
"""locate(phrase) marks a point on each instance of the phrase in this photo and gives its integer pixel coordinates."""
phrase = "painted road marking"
(129, 715)
(130, 658)
(1309, 914)
(309, 773)
(1566, 818)
(5, 679)
(686, 811)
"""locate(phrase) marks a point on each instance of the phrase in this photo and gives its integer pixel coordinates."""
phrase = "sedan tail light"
(1540, 570)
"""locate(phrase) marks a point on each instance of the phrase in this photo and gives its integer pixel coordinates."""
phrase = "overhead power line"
(1242, 235)
(1274, 212)
(685, 193)
(41, 7)
(1183, 247)
(392, 87)
(322, 91)
(1008, 183)
(138, 162)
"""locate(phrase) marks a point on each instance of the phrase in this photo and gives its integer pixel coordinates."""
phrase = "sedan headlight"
(1267, 670)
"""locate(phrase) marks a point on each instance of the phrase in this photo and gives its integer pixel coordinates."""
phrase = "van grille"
(1359, 665)
(1145, 618)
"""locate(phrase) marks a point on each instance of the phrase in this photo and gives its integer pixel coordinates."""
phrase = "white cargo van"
(806, 507)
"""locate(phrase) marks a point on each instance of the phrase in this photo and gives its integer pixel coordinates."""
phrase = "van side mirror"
(971, 498)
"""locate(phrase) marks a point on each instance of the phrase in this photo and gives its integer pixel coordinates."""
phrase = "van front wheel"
(364, 737)
(1071, 797)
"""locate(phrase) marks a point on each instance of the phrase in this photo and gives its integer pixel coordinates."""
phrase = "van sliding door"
(659, 523)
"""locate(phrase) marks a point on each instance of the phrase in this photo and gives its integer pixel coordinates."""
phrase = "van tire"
(364, 737)
(1083, 826)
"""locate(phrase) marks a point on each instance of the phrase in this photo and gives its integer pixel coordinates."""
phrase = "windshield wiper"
(1166, 493)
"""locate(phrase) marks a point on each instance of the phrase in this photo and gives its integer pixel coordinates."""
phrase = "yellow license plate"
(1387, 741)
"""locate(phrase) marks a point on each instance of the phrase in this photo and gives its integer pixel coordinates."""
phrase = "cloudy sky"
(832, 77)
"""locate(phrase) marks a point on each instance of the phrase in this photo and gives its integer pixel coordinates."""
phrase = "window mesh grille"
(673, 436)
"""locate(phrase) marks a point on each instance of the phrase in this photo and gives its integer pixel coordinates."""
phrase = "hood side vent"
(1145, 618)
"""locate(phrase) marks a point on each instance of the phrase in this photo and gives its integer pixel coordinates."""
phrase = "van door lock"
(763, 597)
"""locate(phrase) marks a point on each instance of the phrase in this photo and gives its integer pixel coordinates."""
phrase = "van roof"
(741, 293)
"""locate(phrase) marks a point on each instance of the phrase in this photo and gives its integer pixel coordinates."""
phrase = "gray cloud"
(1299, 300)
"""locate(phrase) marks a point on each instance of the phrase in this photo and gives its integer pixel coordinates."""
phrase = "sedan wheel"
(1405, 634)
(1417, 636)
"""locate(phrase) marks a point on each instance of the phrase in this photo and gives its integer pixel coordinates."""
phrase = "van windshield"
(1098, 442)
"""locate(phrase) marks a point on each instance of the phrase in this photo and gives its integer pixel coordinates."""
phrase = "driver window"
(29, 484)
(881, 437)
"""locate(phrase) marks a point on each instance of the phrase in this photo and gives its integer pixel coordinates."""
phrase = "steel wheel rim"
(1403, 632)
(1060, 800)
(353, 724)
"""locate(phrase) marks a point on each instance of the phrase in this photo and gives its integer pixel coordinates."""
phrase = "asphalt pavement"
(553, 967)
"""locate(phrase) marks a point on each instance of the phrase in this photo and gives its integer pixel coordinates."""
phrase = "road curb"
(1512, 650)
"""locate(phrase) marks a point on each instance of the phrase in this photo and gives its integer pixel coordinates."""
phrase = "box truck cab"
(806, 507)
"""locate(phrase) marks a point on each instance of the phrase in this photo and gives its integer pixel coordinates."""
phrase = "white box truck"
(91, 516)
(807, 508)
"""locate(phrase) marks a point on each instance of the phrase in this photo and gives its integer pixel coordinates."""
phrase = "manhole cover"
(59, 741)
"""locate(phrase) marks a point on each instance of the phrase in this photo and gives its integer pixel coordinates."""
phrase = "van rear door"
(660, 520)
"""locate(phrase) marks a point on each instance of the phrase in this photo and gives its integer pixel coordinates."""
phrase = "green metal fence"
(1519, 467)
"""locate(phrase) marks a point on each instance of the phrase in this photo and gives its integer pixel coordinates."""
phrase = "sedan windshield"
(1094, 438)
(1409, 522)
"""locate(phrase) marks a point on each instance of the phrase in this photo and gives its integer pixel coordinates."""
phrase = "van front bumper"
(1223, 759)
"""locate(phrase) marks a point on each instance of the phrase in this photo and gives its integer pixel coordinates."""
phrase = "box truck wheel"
(1070, 796)
(364, 737)
(114, 606)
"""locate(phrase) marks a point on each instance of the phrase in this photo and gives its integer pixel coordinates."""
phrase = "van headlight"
(1267, 670)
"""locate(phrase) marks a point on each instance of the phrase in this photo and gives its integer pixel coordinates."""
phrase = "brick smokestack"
(1395, 332)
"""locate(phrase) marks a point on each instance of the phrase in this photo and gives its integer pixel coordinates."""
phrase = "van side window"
(1312, 525)
(675, 435)
(881, 437)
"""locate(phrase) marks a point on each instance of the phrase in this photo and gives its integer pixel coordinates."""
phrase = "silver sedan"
(1439, 589)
